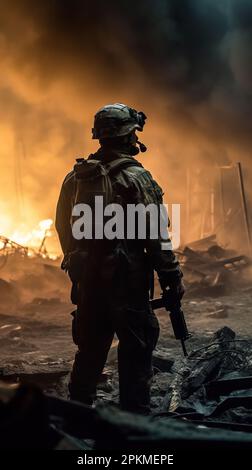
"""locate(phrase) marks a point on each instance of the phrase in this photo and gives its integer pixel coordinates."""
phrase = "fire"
(45, 224)
(33, 239)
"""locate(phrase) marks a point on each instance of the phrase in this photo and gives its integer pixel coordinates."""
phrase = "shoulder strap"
(120, 164)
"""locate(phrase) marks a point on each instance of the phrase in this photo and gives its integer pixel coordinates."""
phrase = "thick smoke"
(186, 63)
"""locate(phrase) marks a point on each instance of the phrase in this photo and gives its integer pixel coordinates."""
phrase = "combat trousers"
(137, 330)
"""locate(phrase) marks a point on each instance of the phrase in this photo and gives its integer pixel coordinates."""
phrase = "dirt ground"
(36, 343)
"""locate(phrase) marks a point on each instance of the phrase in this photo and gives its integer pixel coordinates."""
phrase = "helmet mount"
(117, 120)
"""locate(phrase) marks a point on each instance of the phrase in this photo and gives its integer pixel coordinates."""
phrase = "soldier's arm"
(163, 261)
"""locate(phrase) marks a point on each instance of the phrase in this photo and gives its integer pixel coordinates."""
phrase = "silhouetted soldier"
(113, 295)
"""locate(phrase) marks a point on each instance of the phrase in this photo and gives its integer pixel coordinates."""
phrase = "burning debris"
(27, 270)
(8, 246)
(27, 243)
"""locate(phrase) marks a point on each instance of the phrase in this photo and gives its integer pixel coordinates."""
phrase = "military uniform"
(117, 300)
(115, 295)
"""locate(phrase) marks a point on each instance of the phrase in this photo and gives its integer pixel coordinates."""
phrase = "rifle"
(176, 315)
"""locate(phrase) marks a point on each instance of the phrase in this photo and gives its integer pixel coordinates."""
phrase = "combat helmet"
(117, 120)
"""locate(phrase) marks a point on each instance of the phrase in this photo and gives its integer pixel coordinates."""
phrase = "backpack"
(92, 178)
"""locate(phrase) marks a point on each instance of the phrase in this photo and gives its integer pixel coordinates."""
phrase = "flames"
(35, 239)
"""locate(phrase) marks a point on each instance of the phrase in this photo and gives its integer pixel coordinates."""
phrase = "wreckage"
(208, 403)
(211, 270)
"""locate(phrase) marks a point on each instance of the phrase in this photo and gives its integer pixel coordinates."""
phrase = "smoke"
(186, 64)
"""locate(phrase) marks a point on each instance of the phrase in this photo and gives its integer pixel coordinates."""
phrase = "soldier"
(115, 295)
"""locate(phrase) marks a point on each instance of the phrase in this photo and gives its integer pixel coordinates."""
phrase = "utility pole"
(244, 206)
(188, 203)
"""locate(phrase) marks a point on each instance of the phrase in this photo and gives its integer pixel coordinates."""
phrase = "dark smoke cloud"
(186, 62)
(195, 51)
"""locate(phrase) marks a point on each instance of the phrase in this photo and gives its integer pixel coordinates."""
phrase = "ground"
(35, 336)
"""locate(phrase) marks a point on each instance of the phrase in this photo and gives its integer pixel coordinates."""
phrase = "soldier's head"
(116, 124)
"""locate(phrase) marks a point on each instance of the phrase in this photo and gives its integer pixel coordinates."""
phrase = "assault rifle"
(176, 315)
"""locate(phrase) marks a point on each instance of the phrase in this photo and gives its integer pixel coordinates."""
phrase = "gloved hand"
(174, 292)
(74, 263)
(177, 290)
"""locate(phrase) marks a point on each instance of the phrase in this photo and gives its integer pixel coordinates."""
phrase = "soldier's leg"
(138, 332)
(93, 334)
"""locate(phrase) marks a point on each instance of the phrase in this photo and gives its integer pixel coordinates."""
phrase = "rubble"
(211, 270)
(206, 392)
(201, 364)
(33, 420)
(211, 388)
(8, 247)
(161, 360)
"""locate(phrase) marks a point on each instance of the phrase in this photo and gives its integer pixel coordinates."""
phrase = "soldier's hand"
(177, 291)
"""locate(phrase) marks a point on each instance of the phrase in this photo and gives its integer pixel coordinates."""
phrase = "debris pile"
(207, 400)
(214, 386)
(8, 247)
(211, 270)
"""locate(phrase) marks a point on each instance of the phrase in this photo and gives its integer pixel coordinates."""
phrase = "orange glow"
(32, 239)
